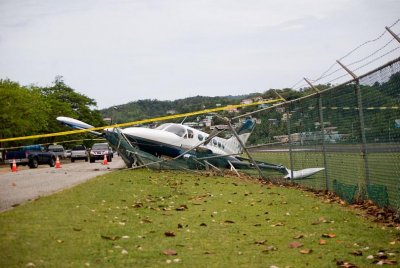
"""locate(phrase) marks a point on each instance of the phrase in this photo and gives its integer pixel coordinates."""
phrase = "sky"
(118, 51)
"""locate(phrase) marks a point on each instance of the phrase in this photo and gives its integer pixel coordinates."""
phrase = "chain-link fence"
(351, 130)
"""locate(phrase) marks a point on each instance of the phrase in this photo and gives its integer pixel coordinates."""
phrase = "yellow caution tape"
(163, 118)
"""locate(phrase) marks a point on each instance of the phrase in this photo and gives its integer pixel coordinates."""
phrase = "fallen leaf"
(77, 229)
(329, 235)
(229, 221)
(388, 262)
(345, 264)
(137, 205)
(357, 253)
(298, 236)
(169, 252)
(169, 233)
(305, 251)
(182, 208)
(113, 237)
(295, 244)
(322, 242)
(260, 242)
(203, 224)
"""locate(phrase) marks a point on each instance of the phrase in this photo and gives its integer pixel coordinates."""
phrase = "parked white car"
(58, 150)
(79, 152)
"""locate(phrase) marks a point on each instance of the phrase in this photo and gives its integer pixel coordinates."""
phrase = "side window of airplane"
(190, 134)
(200, 137)
(219, 145)
(215, 142)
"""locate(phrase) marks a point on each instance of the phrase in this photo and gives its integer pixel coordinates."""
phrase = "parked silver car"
(58, 150)
(79, 152)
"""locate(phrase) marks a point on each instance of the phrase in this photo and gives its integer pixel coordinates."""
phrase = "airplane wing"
(76, 124)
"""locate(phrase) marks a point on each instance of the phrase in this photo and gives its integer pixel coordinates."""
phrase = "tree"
(23, 111)
(64, 101)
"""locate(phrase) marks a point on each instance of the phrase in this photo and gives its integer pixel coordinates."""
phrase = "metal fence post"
(289, 140)
(321, 122)
(363, 145)
(364, 151)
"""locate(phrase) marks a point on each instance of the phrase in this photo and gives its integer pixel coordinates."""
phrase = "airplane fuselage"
(174, 139)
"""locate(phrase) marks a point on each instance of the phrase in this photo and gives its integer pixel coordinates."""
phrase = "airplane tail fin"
(244, 131)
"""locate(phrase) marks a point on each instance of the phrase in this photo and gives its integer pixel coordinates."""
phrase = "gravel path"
(28, 184)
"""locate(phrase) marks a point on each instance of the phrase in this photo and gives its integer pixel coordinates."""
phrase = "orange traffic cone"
(58, 164)
(14, 166)
(105, 161)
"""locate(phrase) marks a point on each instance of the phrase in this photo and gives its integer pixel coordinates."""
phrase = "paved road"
(28, 184)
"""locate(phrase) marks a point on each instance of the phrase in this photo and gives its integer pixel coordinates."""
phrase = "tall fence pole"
(364, 152)
(287, 106)
(321, 122)
(393, 34)
(289, 140)
(245, 149)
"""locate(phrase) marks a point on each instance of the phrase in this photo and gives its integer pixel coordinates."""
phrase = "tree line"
(30, 110)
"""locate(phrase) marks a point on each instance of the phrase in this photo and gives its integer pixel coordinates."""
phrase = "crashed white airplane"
(177, 140)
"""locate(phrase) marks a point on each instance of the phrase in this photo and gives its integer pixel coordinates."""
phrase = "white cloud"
(119, 51)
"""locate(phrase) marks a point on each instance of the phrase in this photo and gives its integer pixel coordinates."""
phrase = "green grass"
(217, 222)
(384, 169)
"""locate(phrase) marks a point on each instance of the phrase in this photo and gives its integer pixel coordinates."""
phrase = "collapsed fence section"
(352, 130)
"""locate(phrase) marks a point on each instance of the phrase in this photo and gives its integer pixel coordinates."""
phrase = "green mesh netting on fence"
(345, 191)
(378, 194)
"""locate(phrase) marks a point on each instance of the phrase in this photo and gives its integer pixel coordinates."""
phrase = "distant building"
(218, 105)
(273, 121)
(172, 111)
(193, 124)
(219, 127)
(280, 109)
(246, 101)
(285, 116)
(264, 105)
(232, 110)
(207, 121)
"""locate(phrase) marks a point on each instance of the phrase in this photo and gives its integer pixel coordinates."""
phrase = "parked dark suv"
(99, 150)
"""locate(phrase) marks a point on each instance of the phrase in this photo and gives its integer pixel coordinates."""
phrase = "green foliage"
(23, 111)
(33, 110)
(64, 101)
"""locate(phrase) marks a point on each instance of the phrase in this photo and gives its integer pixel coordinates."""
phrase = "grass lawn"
(143, 218)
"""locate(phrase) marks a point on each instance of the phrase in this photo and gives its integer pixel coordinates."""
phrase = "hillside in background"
(147, 108)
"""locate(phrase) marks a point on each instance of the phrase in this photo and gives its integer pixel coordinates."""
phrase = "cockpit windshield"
(176, 129)
(163, 126)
